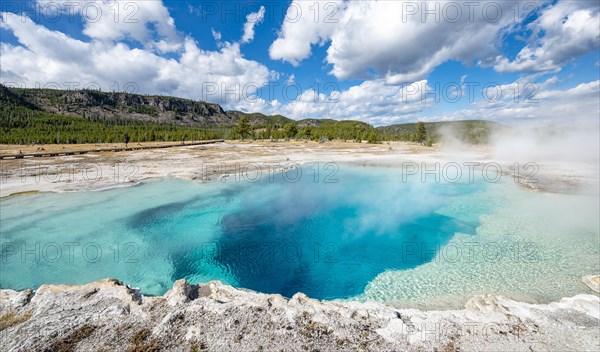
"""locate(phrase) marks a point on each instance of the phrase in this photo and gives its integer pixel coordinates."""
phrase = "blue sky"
(382, 62)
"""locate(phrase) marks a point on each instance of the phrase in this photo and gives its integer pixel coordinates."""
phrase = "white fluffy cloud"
(374, 102)
(304, 26)
(399, 40)
(252, 20)
(51, 58)
(403, 41)
(564, 31)
(146, 22)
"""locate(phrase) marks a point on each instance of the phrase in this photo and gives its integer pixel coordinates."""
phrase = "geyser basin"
(361, 233)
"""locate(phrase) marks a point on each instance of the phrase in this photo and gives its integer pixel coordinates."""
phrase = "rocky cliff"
(106, 105)
(110, 316)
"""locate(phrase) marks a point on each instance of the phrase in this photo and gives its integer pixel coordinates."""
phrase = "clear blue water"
(326, 239)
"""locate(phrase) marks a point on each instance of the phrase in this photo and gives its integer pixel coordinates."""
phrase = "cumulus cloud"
(252, 20)
(401, 41)
(374, 102)
(146, 22)
(45, 56)
(303, 27)
(563, 32)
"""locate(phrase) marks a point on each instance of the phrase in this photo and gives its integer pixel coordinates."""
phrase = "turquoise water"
(362, 233)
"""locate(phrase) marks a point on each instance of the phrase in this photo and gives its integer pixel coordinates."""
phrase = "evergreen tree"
(290, 130)
(421, 135)
(307, 132)
(373, 138)
(243, 128)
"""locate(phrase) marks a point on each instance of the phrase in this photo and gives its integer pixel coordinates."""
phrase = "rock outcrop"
(110, 316)
(125, 106)
(592, 281)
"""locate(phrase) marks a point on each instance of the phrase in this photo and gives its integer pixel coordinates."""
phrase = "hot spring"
(356, 233)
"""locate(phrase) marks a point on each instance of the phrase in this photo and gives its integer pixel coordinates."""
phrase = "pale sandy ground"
(109, 169)
(10, 149)
(114, 169)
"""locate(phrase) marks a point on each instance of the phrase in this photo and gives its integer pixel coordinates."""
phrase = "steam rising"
(570, 155)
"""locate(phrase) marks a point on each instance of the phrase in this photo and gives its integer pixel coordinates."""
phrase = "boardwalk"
(101, 150)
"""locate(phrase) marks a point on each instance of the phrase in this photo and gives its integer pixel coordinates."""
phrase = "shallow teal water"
(327, 239)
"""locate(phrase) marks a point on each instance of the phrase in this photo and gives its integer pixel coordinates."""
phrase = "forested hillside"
(85, 116)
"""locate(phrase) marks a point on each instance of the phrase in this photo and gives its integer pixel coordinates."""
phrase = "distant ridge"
(153, 108)
(86, 116)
